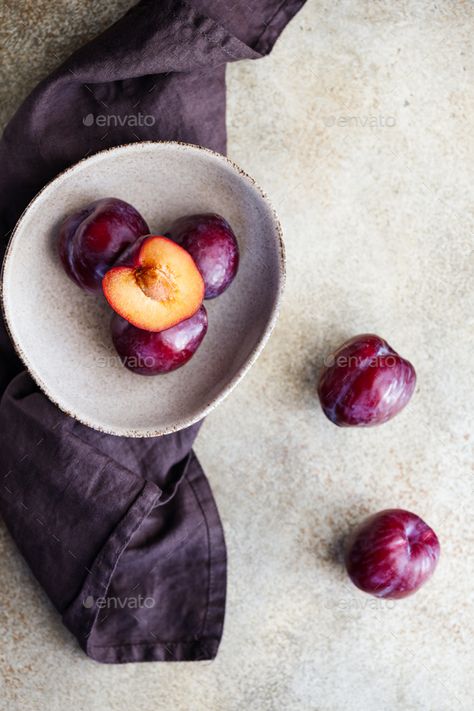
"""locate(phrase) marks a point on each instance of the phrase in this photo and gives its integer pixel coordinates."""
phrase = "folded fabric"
(123, 534)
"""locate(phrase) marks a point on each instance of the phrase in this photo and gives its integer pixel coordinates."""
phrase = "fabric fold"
(166, 598)
(133, 558)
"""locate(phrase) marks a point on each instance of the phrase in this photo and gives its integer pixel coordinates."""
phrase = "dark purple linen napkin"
(123, 534)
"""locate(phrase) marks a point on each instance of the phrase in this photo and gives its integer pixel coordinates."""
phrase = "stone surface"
(359, 127)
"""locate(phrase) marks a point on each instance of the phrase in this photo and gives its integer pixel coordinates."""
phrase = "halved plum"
(155, 285)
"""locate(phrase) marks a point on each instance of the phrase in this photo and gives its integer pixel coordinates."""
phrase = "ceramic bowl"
(62, 333)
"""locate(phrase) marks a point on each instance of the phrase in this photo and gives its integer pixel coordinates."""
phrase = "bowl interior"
(62, 333)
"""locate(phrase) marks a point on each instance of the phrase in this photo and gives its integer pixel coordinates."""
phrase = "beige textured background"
(359, 125)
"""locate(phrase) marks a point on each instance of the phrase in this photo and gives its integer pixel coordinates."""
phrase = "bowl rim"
(184, 422)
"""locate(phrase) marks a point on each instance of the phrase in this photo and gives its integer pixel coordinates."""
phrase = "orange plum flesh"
(155, 285)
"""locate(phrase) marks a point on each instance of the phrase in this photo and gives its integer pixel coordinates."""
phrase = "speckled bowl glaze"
(62, 333)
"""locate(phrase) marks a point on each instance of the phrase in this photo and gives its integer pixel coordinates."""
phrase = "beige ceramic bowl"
(62, 333)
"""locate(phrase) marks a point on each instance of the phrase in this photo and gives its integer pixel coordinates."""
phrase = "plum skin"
(367, 383)
(392, 554)
(91, 239)
(211, 242)
(153, 353)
